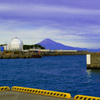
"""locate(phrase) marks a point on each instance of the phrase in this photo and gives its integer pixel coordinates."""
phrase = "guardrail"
(42, 92)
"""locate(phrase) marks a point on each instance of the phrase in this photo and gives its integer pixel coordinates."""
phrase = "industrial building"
(15, 44)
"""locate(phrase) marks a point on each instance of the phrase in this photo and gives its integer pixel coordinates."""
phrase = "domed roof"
(16, 44)
(16, 41)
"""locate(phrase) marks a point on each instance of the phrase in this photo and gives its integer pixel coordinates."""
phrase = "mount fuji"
(52, 45)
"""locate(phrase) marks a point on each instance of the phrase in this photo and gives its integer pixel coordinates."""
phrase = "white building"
(15, 44)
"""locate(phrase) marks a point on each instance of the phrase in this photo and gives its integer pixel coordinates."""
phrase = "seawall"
(63, 53)
(20, 56)
(32, 54)
(93, 61)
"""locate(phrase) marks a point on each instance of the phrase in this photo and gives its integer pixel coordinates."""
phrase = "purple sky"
(70, 22)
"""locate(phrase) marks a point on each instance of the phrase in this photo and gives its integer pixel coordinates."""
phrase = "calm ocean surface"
(57, 73)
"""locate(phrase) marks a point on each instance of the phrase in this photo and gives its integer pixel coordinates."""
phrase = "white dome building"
(16, 44)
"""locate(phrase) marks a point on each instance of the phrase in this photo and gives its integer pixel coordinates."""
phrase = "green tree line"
(36, 46)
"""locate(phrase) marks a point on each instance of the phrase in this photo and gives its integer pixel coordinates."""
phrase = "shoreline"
(32, 54)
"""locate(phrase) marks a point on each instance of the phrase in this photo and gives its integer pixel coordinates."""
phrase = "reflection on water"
(96, 71)
(94, 74)
(89, 75)
(89, 72)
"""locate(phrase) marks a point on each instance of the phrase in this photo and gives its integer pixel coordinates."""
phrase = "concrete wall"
(93, 61)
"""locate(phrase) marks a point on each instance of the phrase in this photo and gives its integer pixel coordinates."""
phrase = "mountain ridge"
(52, 45)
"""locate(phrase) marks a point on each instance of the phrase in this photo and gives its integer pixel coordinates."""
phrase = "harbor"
(51, 72)
(49, 49)
(15, 49)
(92, 58)
(68, 74)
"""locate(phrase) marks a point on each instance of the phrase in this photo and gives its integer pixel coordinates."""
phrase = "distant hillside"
(52, 45)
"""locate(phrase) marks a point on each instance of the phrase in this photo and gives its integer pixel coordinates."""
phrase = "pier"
(22, 93)
(13, 95)
(93, 61)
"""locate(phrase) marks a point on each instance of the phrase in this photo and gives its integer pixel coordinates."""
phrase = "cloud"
(29, 8)
(69, 23)
(88, 4)
(69, 36)
(49, 14)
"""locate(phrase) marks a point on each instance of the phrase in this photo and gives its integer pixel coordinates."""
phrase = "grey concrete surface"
(13, 95)
(95, 61)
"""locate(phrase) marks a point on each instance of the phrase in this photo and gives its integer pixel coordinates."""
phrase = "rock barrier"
(19, 56)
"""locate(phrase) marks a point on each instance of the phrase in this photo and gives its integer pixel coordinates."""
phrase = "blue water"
(57, 73)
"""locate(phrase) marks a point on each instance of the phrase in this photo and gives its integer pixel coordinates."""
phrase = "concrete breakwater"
(64, 53)
(32, 54)
(93, 61)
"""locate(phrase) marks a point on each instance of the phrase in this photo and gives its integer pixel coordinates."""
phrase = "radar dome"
(16, 44)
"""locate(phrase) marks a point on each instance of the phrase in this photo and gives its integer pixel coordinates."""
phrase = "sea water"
(57, 73)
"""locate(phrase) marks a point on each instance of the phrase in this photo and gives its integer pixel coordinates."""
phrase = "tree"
(36, 46)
